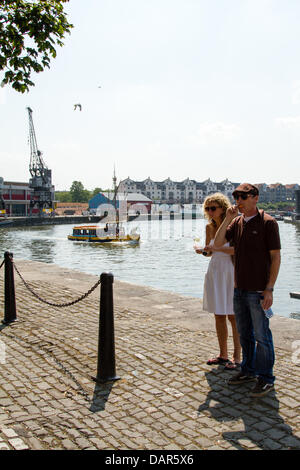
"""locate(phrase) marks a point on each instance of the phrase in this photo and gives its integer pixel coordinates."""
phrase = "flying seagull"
(77, 105)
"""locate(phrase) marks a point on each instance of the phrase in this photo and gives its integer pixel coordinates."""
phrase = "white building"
(184, 192)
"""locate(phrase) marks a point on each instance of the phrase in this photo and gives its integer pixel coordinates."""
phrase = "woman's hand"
(206, 251)
(210, 249)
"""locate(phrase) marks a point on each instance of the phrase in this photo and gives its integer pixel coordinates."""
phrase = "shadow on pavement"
(263, 425)
(100, 396)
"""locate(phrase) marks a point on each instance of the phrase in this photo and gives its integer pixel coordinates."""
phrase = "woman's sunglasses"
(212, 208)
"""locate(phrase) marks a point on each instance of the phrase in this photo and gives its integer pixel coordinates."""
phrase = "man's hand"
(220, 237)
(231, 213)
(267, 300)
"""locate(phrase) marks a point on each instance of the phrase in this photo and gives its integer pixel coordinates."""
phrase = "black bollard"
(106, 369)
(10, 313)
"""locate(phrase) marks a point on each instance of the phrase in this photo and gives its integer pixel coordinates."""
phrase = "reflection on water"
(164, 259)
(41, 248)
(36, 243)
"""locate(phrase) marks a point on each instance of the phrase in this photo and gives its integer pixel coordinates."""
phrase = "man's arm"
(220, 238)
(274, 270)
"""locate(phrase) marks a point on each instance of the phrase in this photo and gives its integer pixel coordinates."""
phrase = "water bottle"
(269, 313)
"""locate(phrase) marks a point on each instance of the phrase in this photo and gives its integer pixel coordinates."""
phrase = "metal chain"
(68, 304)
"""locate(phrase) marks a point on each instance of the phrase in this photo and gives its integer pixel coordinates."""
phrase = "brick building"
(16, 197)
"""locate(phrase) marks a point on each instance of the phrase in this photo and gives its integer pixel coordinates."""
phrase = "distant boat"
(278, 217)
(106, 232)
(295, 295)
(110, 232)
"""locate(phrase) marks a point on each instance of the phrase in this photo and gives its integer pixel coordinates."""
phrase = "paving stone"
(69, 445)
(23, 401)
(35, 444)
(290, 442)
(4, 446)
(82, 443)
(9, 432)
(18, 444)
(272, 445)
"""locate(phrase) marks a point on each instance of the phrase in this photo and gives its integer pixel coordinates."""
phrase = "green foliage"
(273, 206)
(29, 33)
(63, 196)
(96, 191)
(78, 193)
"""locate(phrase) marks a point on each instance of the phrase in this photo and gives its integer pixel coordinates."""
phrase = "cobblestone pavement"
(167, 397)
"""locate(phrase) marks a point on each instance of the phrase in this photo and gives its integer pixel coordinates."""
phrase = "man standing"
(256, 241)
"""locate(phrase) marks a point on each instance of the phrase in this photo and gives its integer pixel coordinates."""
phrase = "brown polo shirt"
(252, 243)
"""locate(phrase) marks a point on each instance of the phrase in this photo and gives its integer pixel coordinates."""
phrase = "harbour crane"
(40, 182)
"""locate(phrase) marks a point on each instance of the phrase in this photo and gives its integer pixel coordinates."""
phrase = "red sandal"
(232, 365)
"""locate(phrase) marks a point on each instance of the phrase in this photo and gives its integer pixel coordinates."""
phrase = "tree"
(63, 196)
(96, 191)
(78, 193)
(29, 32)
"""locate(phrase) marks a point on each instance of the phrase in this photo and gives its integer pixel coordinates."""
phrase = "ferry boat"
(110, 232)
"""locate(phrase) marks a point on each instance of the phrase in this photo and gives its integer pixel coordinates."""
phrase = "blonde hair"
(221, 200)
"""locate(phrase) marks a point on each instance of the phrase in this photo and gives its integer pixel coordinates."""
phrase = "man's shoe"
(261, 388)
(241, 378)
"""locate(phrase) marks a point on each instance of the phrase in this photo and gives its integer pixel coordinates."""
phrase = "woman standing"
(219, 281)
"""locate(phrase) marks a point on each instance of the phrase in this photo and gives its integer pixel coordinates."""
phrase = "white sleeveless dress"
(219, 284)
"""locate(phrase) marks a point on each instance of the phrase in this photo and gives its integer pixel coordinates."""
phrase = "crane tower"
(40, 182)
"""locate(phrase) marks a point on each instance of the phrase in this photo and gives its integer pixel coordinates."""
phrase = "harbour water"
(165, 258)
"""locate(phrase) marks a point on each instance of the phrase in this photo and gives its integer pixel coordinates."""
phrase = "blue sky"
(189, 88)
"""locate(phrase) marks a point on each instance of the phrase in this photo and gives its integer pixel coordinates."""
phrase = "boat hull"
(126, 239)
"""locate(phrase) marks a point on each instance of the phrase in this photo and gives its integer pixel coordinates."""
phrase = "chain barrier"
(67, 304)
(106, 368)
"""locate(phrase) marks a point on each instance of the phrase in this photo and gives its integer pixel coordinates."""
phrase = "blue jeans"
(255, 335)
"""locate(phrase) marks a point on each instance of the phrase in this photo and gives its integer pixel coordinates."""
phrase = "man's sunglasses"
(243, 196)
(212, 208)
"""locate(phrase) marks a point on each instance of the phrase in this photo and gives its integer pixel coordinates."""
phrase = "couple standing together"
(242, 290)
